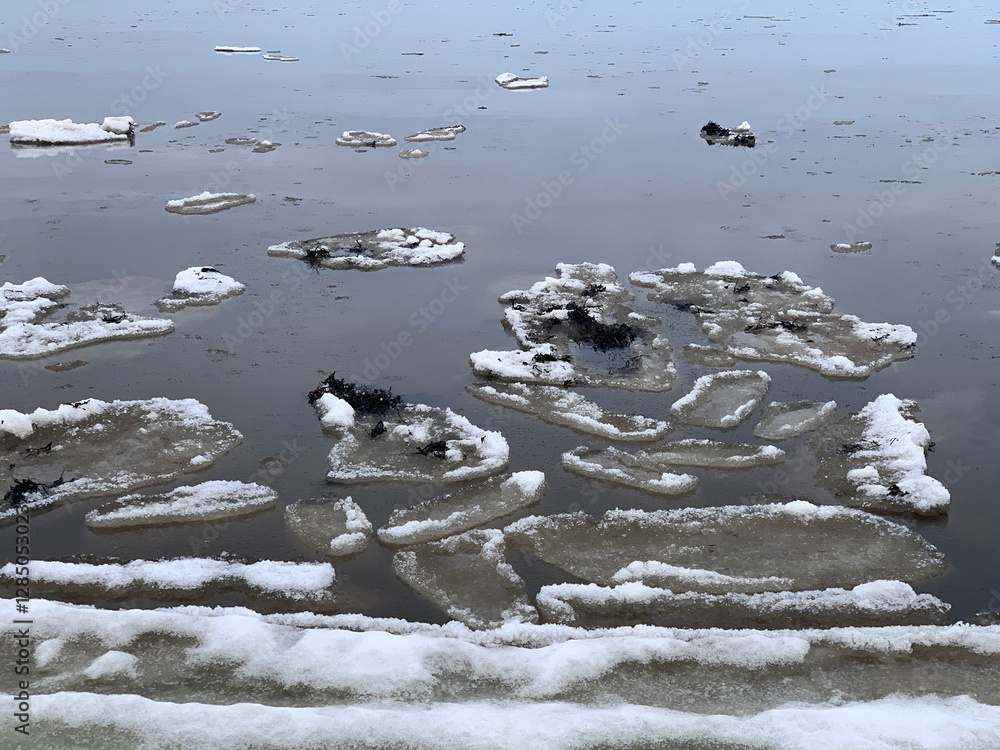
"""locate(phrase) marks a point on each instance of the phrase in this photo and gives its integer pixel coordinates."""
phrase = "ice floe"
(782, 421)
(722, 400)
(208, 501)
(712, 454)
(415, 153)
(67, 132)
(715, 134)
(627, 469)
(365, 138)
(208, 203)
(578, 329)
(463, 509)
(224, 48)
(568, 409)
(200, 285)
(95, 448)
(338, 528)
(446, 133)
(512, 82)
(373, 251)
(876, 459)
(778, 319)
(468, 577)
(274, 57)
(851, 247)
(709, 356)
(24, 334)
(208, 116)
(180, 125)
(806, 546)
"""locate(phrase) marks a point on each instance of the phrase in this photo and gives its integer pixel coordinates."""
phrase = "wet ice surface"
(568, 409)
(804, 545)
(578, 329)
(96, 448)
(709, 356)
(208, 203)
(722, 400)
(279, 58)
(628, 470)
(208, 501)
(462, 509)
(26, 332)
(67, 132)
(469, 577)
(778, 319)
(512, 82)
(200, 285)
(851, 247)
(373, 251)
(446, 133)
(415, 153)
(364, 138)
(876, 459)
(784, 421)
(338, 528)
(713, 454)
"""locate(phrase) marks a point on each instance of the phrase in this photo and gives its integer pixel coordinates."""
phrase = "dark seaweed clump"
(601, 336)
(364, 399)
(23, 489)
(438, 449)
(713, 133)
(315, 256)
(715, 130)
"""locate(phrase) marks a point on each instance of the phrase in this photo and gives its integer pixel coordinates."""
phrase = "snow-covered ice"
(375, 250)
(181, 124)
(67, 132)
(512, 82)
(446, 133)
(224, 48)
(851, 247)
(722, 400)
(338, 528)
(274, 57)
(200, 285)
(628, 470)
(414, 153)
(208, 116)
(782, 421)
(208, 203)
(365, 138)
(709, 356)
(711, 454)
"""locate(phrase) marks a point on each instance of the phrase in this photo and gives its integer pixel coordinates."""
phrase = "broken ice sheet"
(877, 603)
(627, 469)
(95, 448)
(876, 459)
(782, 421)
(794, 546)
(67, 132)
(208, 501)
(722, 400)
(512, 82)
(373, 251)
(361, 138)
(568, 409)
(23, 335)
(447, 133)
(578, 329)
(200, 285)
(778, 319)
(468, 577)
(338, 528)
(208, 203)
(463, 509)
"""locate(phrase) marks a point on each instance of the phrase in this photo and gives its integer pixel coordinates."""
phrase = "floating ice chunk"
(153, 126)
(851, 247)
(809, 546)
(469, 578)
(627, 469)
(715, 134)
(562, 407)
(208, 203)
(579, 329)
(360, 138)
(876, 459)
(415, 153)
(23, 335)
(265, 147)
(120, 125)
(778, 319)
(66, 132)
(722, 400)
(208, 116)
(590, 605)
(711, 454)
(373, 251)
(709, 356)
(200, 285)
(223, 48)
(279, 58)
(208, 501)
(338, 528)
(512, 82)
(782, 421)
(446, 133)
(180, 125)
(463, 510)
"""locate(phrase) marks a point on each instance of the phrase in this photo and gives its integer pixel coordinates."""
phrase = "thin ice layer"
(468, 577)
(628, 470)
(876, 603)
(806, 546)
(207, 202)
(782, 421)
(208, 501)
(25, 334)
(96, 448)
(338, 528)
(200, 285)
(579, 329)
(568, 409)
(722, 400)
(778, 319)
(876, 459)
(463, 509)
(512, 82)
(373, 251)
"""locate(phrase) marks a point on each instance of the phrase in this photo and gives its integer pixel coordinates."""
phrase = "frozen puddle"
(200, 285)
(269, 583)
(876, 459)
(627, 469)
(463, 509)
(447, 133)
(208, 501)
(796, 546)
(208, 203)
(868, 604)
(512, 82)
(67, 132)
(95, 448)
(24, 335)
(783, 421)
(778, 319)
(469, 578)
(722, 400)
(365, 138)
(373, 251)
(380, 438)
(338, 528)
(578, 329)
(568, 409)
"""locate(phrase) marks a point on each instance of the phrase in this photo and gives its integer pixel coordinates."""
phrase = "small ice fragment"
(415, 153)
(153, 126)
(208, 203)
(851, 247)
(200, 285)
(512, 82)
(223, 48)
(743, 127)
(65, 132)
(360, 138)
(338, 528)
(373, 251)
(722, 400)
(118, 125)
(279, 58)
(782, 421)
(627, 469)
(208, 116)
(446, 133)
(184, 124)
